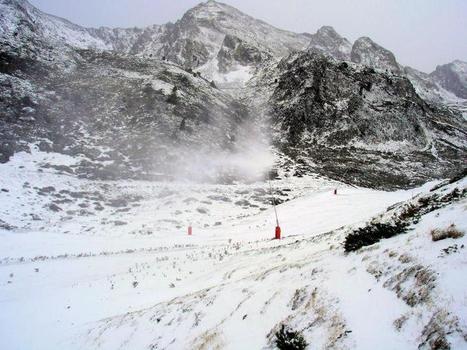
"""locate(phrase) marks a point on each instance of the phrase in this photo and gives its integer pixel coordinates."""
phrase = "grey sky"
(421, 33)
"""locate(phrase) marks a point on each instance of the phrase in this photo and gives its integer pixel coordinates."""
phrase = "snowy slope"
(143, 284)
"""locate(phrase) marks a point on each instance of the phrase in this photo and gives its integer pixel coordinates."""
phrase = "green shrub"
(287, 339)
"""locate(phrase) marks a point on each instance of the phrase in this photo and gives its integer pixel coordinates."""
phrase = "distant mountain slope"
(201, 38)
(199, 35)
(452, 77)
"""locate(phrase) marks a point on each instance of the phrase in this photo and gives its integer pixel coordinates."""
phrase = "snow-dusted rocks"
(236, 52)
(338, 113)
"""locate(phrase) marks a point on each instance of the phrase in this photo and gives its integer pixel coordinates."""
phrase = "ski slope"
(77, 282)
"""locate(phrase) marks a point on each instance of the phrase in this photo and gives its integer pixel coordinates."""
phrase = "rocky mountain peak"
(328, 31)
(333, 111)
(365, 51)
(328, 41)
(213, 10)
(196, 40)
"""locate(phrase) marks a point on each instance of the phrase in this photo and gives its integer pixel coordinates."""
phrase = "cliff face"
(367, 126)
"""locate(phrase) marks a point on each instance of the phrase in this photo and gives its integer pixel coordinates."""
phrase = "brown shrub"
(450, 232)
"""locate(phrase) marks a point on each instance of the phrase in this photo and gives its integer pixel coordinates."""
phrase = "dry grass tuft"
(450, 232)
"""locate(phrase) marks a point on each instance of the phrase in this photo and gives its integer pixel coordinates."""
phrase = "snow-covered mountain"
(199, 35)
(202, 37)
(24, 27)
(446, 85)
(75, 90)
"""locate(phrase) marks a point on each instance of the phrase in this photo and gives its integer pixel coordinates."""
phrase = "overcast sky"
(422, 33)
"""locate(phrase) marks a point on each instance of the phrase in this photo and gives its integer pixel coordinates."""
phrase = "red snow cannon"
(278, 232)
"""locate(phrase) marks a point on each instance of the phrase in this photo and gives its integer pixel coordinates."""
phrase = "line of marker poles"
(277, 233)
(278, 228)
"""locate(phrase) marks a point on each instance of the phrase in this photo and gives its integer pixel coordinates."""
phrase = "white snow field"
(109, 265)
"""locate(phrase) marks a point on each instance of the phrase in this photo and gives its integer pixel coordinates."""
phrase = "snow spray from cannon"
(278, 228)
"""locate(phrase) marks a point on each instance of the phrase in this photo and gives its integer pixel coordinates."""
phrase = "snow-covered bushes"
(398, 218)
(372, 234)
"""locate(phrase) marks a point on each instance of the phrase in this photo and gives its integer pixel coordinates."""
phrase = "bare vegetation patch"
(413, 284)
(449, 232)
(436, 332)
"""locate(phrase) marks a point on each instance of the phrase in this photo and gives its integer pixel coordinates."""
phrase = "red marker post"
(278, 232)
(190, 230)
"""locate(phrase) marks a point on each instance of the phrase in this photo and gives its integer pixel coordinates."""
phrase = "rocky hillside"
(122, 115)
(359, 125)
